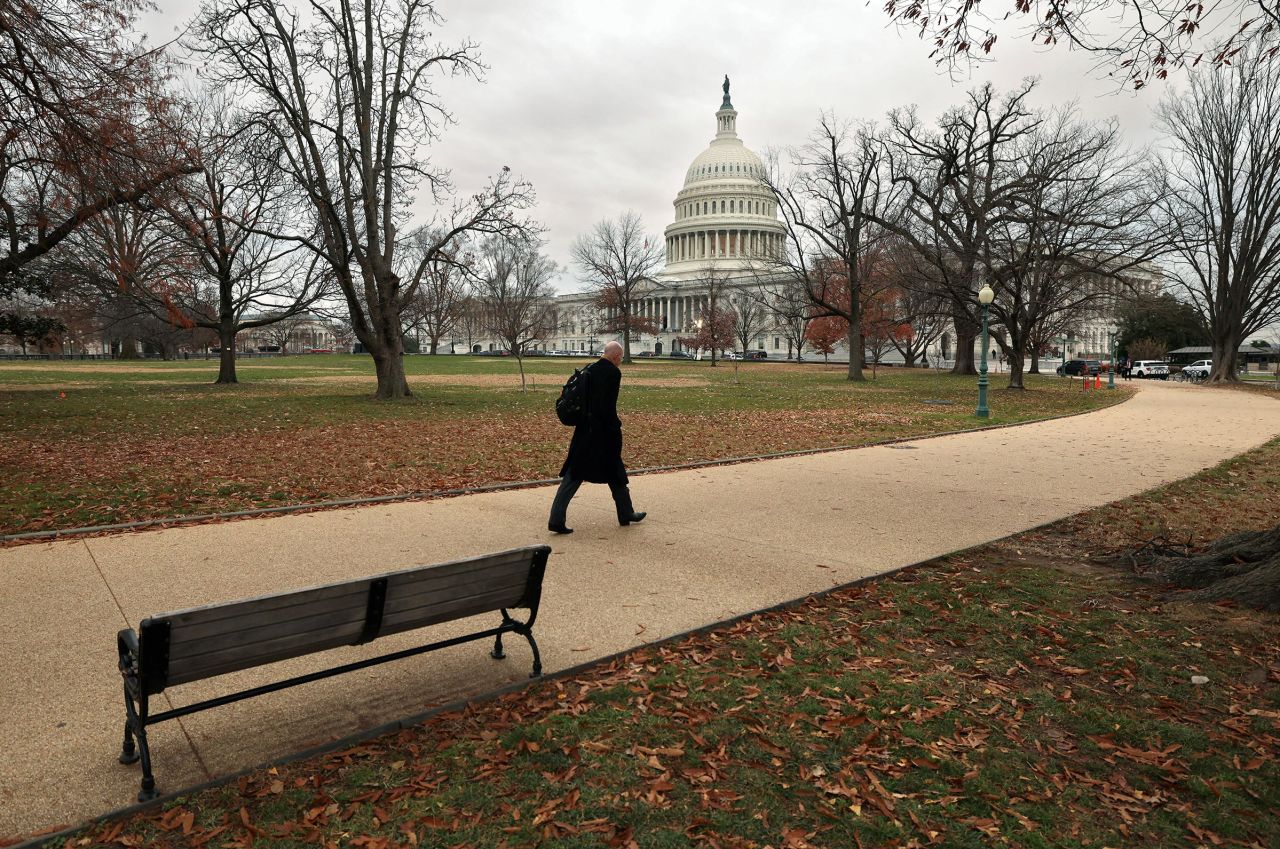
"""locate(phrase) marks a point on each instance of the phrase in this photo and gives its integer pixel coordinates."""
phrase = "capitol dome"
(726, 218)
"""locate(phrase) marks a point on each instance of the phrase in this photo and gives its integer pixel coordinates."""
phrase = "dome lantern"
(727, 116)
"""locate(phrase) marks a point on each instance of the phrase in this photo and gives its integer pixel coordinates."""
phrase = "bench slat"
(431, 613)
(220, 638)
(402, 592)
(235, 658)
(276, 601)
(353, 601)
(323, 626)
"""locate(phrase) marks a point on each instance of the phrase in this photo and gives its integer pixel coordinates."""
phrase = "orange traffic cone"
(1097, 381)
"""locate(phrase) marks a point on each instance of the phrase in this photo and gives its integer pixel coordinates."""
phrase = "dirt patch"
(162, 366)
(505, 381)
(44, 387)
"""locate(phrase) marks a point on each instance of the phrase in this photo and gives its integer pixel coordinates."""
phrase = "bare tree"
(918, 310)
(127, 260)
(749, 316)
(86, 126)
(343, 336)
(514, 289)
(785, 300)
(1223, 202)
(959, 189)
(345, 93)
(282, 331)
(618, 261)
(440, 301)
(222, 216)
(1136, 39)
(832, 203)
(1082, 221)
(1052, 326)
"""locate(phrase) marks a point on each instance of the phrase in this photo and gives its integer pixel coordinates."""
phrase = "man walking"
(595, 452)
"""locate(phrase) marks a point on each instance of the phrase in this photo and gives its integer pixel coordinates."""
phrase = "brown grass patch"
(504, 381)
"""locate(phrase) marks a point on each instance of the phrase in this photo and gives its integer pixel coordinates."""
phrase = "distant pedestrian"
(595, 452)
(1127, 368)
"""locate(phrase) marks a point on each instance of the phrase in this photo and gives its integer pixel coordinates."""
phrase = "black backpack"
(571, 406)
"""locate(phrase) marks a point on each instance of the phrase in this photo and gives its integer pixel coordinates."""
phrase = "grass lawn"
(1012, 695)
(86, 443)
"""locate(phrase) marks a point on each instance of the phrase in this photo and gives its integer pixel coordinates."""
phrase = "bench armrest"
(127, 645)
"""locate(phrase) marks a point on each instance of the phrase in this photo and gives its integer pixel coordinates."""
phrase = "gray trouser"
(569, 488)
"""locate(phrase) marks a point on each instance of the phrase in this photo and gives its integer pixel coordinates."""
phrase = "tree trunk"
(626, 343)
(966, 335)
(1035, 361)
(1226, 349)
(856, 353)
(1242, 567)
(128, 348)
(435, 344)
(1015, 372)
(227, 356)
(392, 385)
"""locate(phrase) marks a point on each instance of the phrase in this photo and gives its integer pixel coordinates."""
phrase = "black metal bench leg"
(148, 789)
(497, 653)
(537, 656)
(128, 752)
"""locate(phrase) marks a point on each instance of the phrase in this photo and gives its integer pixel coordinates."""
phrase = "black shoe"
(634, 518)
(559, 529)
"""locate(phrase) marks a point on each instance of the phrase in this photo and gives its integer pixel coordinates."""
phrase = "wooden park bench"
(203, 642)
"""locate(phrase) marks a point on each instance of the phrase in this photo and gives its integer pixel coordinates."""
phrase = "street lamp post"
(1111, 372)
(985, 297)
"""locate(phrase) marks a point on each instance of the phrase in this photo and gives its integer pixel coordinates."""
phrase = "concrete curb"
(318, 506)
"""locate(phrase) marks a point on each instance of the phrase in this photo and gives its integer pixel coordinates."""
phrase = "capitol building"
(725, 226)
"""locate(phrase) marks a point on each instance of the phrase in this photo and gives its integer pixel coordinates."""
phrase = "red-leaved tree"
(824, 333)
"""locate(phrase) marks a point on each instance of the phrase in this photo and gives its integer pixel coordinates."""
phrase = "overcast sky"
(604, 104)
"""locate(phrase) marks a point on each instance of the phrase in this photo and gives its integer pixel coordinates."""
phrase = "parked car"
(1156, 369)
(756, 355)
(732, 355)
(1198, 370)
(646, 355)
(680, 355)
(1072, 368)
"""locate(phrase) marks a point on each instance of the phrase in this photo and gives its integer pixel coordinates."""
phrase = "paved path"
(719, 542)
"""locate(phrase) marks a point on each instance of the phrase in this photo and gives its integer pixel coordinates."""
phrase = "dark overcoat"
(595, 452)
